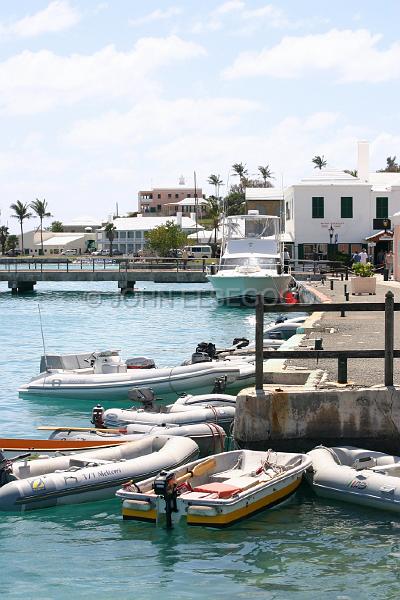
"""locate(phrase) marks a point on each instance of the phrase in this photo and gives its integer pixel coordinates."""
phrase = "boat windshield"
(252, 227)
(252, 261)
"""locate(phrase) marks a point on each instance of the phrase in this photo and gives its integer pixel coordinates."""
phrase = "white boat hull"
(244, 490)
(376, 486)
(236, 287)
(168, 383)
(91, 476)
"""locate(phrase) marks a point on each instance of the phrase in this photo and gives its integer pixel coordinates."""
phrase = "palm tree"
(21, 213)
(3, 238)
(39, 207)
(352, 172)
(266, 174)
(216, 181)
(319, 162)
(110, 235)
(391, 166)
(214, 213)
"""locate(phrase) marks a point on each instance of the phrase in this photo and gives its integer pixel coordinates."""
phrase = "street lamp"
(331, 232)
(385, 223)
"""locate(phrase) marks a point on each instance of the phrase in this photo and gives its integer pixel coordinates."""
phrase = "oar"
(55, 428)
(198, 470)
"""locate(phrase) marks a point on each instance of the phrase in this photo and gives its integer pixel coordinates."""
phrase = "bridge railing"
(122, 264)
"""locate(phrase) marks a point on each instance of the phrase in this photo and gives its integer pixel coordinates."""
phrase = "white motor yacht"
(251, 260)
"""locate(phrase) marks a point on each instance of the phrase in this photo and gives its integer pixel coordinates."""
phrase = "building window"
(152, 209)
(131, 234)
(158, 206)
(188, 196)
(318, 207)
(169, 195)
(159, 196)
(382, 208)
(346, 207)
(176, 195)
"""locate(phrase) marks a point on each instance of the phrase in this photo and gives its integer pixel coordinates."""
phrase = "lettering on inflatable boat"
(357, 483)
(107, 473)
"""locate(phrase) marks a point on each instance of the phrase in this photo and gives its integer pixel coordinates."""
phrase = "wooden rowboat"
(11, 446)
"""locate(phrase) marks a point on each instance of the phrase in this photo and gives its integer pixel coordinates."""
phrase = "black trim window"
(382, 211)
(346, 207)
(318, 207)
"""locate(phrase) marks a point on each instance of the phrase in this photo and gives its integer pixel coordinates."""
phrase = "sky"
(99, 99)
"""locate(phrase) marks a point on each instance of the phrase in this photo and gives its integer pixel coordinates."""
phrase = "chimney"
(179, 219)
(363, 161)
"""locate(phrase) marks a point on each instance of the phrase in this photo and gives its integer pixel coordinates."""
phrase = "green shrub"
(363, 270)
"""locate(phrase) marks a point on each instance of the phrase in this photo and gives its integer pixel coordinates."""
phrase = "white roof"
(148, 223)
(264, 193)
(330, 176)
(61, 239)
(187, 202)
(206, 236)
(83, 222)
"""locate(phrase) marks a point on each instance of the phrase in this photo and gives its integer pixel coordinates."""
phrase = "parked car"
(13, 253)
(199, 251)
(117, 253)
(70, 252)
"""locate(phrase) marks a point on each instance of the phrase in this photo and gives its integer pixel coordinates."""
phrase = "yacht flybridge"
(251, 259)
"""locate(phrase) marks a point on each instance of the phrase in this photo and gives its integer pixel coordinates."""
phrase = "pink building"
(153, 201)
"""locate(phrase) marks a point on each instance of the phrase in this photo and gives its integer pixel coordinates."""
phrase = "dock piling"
(259, 342)
(389, 337)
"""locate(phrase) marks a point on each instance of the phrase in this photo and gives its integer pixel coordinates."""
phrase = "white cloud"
(156, 15)
(229, 7)
(57, 16)
(353, 56)
(31, 82)
(160, 119)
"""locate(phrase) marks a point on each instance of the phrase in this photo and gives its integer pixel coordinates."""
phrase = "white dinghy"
(355, 475)
(218, 491)
(88, 476)
(209, 437)
(106, 377)
(178, 415)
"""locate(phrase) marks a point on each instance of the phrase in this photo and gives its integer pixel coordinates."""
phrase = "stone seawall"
(298, 419)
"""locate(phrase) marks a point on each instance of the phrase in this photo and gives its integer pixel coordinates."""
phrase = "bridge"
(23, 274)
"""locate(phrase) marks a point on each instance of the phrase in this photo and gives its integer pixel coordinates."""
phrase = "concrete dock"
(363, 412)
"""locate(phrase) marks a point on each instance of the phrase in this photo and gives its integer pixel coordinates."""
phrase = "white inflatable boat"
(178, 415)
(89, 476)
(209, 437)
(107, 377)
(355, 475)
(218, 491)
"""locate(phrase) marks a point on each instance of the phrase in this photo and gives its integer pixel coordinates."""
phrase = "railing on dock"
(121, 264)
(388, 353)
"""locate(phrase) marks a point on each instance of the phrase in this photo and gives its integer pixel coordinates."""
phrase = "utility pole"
(196, 204)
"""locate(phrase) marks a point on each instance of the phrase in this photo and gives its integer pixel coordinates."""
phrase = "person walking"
(389, 263)
(363, 257)
(356, 257)
(185, 257)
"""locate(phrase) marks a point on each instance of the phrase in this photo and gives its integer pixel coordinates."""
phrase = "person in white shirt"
(363, 257)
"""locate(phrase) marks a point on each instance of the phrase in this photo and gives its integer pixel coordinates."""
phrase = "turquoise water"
(301, 551)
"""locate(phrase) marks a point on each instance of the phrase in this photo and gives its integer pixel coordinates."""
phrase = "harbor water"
(302, 550)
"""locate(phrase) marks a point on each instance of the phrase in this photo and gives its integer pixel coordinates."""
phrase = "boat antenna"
(41, 331)
(196, 204)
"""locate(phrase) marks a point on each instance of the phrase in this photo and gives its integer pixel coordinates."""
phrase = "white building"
(129, 236)
(56, 243)
(332, 211)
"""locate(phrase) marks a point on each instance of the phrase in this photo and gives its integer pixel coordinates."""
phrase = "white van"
(70, 252)
(199, 251)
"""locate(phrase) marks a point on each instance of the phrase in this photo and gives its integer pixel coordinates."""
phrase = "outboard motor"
(199, 357)
(240, 343)
(98, 416)
(144, 395)
(165, 485)
(6, 474)
(207, 348)
(219, 385)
